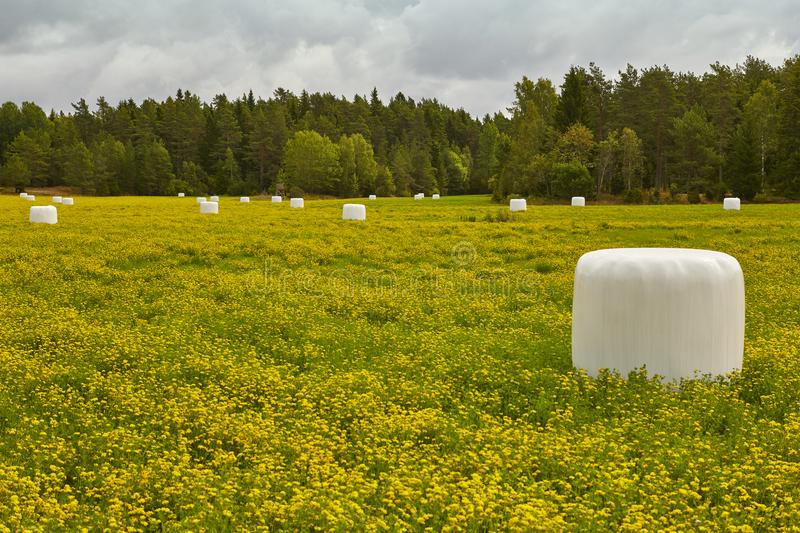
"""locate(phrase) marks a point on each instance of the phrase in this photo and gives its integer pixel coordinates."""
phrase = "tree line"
(730, 130)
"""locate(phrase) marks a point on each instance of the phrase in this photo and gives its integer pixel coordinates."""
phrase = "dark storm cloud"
(463, 53)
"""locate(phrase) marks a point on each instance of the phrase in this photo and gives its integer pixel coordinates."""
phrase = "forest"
(647, 134)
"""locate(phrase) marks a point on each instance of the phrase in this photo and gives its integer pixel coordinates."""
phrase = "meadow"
(282, 369)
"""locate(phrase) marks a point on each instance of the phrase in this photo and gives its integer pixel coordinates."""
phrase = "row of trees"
(733, 129)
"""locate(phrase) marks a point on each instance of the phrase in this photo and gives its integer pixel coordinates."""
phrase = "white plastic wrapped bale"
(23, 195)
(674, 311)
(373, 197)
(209, 208)
(296, 203)
(419, 196)
(244, 199)
(68, 201)
(56, 199)
(733, 204)
(181, 195)
(354, 212)
(578, 201)
(434, 196)
(44, 214)
(518, 204)
(214, 199)
(201, 199)
(277, 199)
(31, 198)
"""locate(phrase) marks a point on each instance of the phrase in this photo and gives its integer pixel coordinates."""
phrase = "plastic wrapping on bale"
(244, 199)
(674, 311)
(68, 201)
(434, 196)
(44, 214)
(31, 198)
(296, 203)
(518, 204)
(733, 204)
(201, 199)
(181, 195)
(23, 195)
(277, 199)
(209, 208)
(419, 196)
(354, 212)
(373, 197)
(214, 199)
(578, 201)
(56, 199)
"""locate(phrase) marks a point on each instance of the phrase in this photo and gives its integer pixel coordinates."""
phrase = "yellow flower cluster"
(282, 369)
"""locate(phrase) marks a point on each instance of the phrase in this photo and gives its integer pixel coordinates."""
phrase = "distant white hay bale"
(373, 197)
(673, 310)
(201, 199)
(23, 195)
(209, 208)
(354, 212)
(244, 199)
(277, 199)
(56, 199)
(68, 201)
(578, 201)
(31, 198)
(296, 203)
(419, 196)
(732, 204)
(214, 199)
(518, 204)
(44, 214)
(181, 195)
(435, 196)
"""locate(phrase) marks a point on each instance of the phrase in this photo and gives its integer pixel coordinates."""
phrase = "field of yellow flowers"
(276, 368)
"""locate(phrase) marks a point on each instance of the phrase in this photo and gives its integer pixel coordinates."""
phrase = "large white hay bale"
(31, 198)
(578, 201)
(296, 203)
(244, 199)
(23, 195)
(419, 196)
(214, 199)
(673, 310)
(56, 199)
(354, 212)
(373, 197)
(44, 214)
(209, 208)
(277, 199)
(435, 196)
(518, 204)
(68, 201)
(181, 195)
(732, 204)
(201, 199)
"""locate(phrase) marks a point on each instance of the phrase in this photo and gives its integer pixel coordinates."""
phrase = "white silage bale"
(209, 208)
(181, 195)
(419, 196)
(68, 201)
(201, 199)
(31, 198)
(296, 203)
(23, 195)
(518, 204)
(435, 196)
(354, 212)
(214, 199)
(277, 199)
(733, 204)
(578, 201)
(674, 311)
(373, 197)
(244, 199)
(44, 214)
(56, 199)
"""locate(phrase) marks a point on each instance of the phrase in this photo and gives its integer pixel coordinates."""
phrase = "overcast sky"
(465, 53)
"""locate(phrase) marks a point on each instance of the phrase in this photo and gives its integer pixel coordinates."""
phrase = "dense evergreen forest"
(650, 132)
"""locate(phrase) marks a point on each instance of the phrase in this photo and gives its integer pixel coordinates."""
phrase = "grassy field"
(282, 368)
